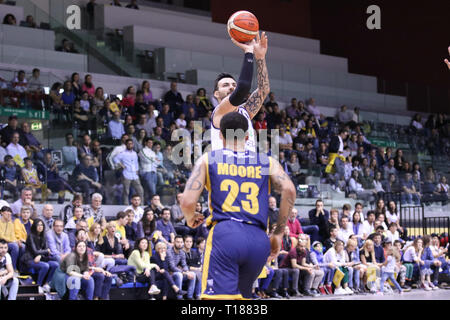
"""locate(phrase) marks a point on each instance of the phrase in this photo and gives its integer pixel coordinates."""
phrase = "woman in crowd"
(392, 216)
(78, 276)
(358, 228)
(37, 255)
(379, 186)
(111, 246)
(95, 239)
(145, 271)
(147, 93)
(88, 86)
(160, 259)
(413, 257)
(333, 221)
(147, 226)
(99, 99)
(367, 256)
(76, 87)
(339, 259)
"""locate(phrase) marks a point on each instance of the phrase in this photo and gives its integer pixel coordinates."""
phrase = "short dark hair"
(370, 212)
(6, 208)
(7, 158)
(3, 241)
(188, 236)
(78, 232)
(380, 228)
(179, 237)
(121, 215)
(165, 209)
(233, 121)
(199, 240)
(220, 77)
(135, 195)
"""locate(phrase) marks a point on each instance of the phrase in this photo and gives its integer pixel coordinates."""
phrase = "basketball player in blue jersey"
(231, 95)
(239, 183)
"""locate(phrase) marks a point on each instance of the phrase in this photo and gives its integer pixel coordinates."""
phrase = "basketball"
(243, 26)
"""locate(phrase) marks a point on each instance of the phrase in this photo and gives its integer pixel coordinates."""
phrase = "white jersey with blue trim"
(250, 144)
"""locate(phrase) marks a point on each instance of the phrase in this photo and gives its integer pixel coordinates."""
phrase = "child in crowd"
(327, 268)
(388, 270)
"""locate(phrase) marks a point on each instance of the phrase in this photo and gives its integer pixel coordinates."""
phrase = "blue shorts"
(235, 255)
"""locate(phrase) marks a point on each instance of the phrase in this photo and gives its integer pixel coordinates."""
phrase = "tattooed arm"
(281, 183)
(258, 96)
(192, 192)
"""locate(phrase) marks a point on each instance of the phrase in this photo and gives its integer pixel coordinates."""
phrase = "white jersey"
(250, 144)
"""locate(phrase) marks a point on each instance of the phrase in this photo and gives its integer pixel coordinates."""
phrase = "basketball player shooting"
(231, 95)
(238, 182)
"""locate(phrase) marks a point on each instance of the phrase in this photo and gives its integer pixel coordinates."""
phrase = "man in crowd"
(128, 160)
(136, 207)
(7, 233)
(47, 217)
(85, 177)
(9, 284)
(94, 211)
(165, 226)
(58, 241)
(26, 199)
(179, 268)
(319, 217)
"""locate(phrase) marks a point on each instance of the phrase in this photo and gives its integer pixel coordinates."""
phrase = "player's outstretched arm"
(446, 60)
(192, 192)
(282, 184)
(256, 99)
(244, 84)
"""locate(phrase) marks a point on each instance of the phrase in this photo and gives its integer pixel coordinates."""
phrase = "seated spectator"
(95, 239)
(346, 230)
(331, 239)
(165, 226)
(111, 247)
(367, 256)
(38, 256)
(413, 257)
(68, 96)
(156, 206)
(294, 227)
(80, 277)
(88, 86)
(179, 268)
(338, 257)
(26, 199)
(359, 269)
(10, 174)
(49, 170)
(7, 233)
(10, 19)
(80, 116)
(9, 284)
(130, 227)
(313, 275)
(8, 131)
(147, 92)
(439, 254)
(85, 177)
(409, 194)
(15, 150)
(30, 143)
(161, 259)
(205, 104)
(319, 217)
(94, 211)
(344, 115)
(99, 98)
(177, 217)
(58, 241)
(313, 109)
(145, 271)
(115, 127)
(356, 188)
(56, 102)
(358, 227)
(20, 83)
(194, 261)
(71, 226)
(389, 169)
(443, 190)
(22, 227)
(334, 220)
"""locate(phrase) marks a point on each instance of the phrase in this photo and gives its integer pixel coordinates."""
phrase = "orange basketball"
(243, 26)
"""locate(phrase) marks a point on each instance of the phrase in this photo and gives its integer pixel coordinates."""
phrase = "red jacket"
(294, 227)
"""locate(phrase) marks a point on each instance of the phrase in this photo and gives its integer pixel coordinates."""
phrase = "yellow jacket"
(7, 231)
(20, 231)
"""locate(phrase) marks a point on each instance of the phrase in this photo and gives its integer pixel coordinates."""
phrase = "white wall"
(27, 37)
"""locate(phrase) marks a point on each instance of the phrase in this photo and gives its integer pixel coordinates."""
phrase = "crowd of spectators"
(137, 147)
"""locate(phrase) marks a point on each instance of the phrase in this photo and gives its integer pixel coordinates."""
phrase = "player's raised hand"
(446, 60)
(196, 220)
(260, 46)
(247, 47)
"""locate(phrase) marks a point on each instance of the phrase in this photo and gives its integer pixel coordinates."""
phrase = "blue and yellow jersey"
(239, 186)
